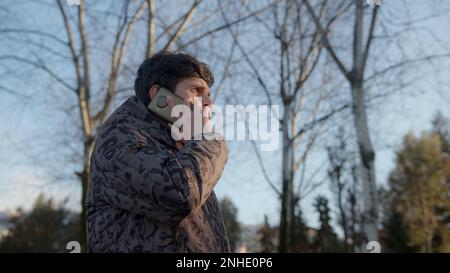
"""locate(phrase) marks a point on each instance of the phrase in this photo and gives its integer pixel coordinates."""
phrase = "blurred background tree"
(326, 240)
(419, 203)
(267, 236)
(229, 214)
(48, 227)
(299, 241)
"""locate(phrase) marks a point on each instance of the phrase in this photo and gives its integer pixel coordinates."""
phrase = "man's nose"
(206, 101)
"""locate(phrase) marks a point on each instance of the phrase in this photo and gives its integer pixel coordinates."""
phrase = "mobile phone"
(160, 106)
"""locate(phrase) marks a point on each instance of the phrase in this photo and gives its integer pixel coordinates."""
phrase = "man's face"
(196, 91)
(192, 87)
(193, 90)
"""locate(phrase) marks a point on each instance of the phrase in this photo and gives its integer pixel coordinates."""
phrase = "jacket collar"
(158, 128)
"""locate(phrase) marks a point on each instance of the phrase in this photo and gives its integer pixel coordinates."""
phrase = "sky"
(22, 178)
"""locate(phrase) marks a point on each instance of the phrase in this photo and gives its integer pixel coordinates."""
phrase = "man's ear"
(153, 90)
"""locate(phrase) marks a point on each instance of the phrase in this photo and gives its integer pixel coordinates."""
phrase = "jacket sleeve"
(166, 188)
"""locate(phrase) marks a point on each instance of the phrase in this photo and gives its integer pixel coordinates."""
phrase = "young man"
(148, 192)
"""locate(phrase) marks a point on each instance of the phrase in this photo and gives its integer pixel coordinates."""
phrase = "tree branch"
(225, 26)
(70, 43)
(247, 58)
(34, 32)
(313, 123)
(39, 65)
(261, 164)
(84, 49)
(116, 63)
(182, 25)
(400, 64)
(370, 36)
(150, 49)
(325, 40)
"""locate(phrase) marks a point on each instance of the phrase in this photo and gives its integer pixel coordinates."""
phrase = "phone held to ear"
(160, 105)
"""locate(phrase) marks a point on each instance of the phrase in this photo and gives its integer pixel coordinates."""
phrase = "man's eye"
(195, 90)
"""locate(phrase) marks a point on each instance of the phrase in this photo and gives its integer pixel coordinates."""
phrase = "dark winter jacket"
(146, 195)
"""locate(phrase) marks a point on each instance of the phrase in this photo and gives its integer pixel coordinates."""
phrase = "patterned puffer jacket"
(147, 195)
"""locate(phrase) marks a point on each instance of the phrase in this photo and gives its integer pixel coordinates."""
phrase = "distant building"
(251, 240)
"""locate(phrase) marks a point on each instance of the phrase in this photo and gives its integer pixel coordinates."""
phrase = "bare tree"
(95, 91)
(297, 55)
(362, 39)
(344, 186)
(355, 76)
(99, 44)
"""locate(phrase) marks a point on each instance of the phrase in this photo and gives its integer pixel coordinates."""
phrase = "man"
(148, 192)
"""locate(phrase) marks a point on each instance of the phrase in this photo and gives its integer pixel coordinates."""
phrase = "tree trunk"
(286, 194)
(294, 204)
(343, 217)
(84, 184)
(84, 188)
(150, 49)
(367, 154)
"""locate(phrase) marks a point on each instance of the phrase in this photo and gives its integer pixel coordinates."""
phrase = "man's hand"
(204, 123)
(206, 120)
(175, 133)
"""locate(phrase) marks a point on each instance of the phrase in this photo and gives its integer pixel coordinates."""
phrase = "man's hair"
(166, 69)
